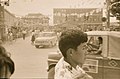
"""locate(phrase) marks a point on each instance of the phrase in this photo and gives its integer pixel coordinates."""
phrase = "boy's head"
(71, 39)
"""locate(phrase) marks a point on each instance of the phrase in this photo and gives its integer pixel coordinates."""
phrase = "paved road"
(30, 62)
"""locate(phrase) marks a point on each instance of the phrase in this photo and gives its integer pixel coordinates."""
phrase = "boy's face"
(79, 55)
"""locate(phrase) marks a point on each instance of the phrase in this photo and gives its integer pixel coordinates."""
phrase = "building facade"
(82, 17)
(7, 21)
(35, 20)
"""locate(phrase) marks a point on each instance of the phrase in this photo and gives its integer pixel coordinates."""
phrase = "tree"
(115, 8)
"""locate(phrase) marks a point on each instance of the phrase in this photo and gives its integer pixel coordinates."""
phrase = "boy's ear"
(69, 52)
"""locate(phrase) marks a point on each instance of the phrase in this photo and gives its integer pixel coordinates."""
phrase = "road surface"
(30, 62)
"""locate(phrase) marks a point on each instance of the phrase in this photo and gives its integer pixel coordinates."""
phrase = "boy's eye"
(84, 47)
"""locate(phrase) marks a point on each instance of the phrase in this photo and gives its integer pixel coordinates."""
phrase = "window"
(95, 44)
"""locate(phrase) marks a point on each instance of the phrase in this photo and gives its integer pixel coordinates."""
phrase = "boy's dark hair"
(6, 61)
(71, 39)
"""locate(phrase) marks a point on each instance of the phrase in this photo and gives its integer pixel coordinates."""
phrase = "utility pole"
(108, 13)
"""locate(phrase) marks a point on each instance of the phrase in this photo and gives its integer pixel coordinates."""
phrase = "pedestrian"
(33, 37)
(6, 64)
(24, 34)
(10, 37)
(72, 46)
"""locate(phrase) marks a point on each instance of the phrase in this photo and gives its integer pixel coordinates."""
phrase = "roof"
(104, 33)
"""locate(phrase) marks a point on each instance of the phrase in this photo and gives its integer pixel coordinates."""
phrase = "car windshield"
(47, 34)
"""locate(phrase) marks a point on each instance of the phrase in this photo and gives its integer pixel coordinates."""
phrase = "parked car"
(105, 65)
(46, 39)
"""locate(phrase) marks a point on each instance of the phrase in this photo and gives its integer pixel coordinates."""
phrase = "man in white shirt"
(24, 34)
(72, 46)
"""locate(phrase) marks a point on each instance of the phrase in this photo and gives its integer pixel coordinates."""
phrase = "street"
(30, 62)
(49, 22)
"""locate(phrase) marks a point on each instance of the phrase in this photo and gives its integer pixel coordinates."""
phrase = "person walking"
(33, 37)
(10, 37)
(24, 34)
(72, 46)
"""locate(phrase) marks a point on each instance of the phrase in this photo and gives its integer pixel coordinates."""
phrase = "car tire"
(37, 46)
(51, 73)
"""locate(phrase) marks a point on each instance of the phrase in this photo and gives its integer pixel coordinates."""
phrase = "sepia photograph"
(60, 39)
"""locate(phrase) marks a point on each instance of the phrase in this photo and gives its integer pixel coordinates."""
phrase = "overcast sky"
(23, 7)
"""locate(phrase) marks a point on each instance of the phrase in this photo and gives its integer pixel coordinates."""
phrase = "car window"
(93, 40)
(94, 44)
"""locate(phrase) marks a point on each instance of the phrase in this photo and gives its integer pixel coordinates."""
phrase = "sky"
(23, 7)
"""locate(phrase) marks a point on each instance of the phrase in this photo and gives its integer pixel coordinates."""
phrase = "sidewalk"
(8, 43)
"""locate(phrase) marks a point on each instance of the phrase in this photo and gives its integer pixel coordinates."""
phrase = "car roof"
(103, 33)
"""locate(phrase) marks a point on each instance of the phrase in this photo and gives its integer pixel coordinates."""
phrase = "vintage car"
(46, 39)
(105, 65)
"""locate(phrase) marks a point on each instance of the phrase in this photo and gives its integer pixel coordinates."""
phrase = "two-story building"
(82, 17)
(7, 21)
(35, 20)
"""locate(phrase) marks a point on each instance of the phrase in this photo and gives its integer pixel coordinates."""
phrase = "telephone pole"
(108, 13)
